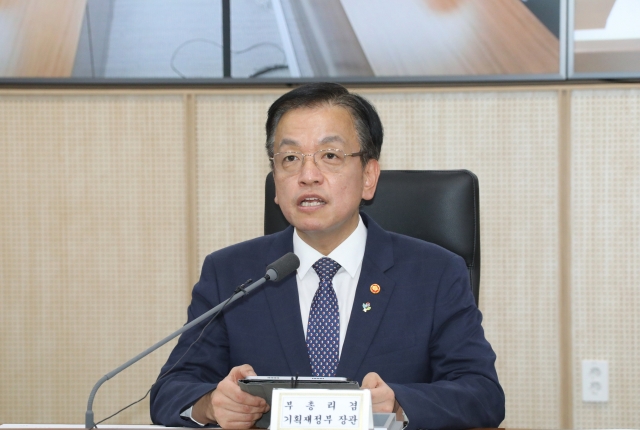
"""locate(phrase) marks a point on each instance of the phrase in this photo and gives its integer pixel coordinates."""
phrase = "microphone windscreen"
(284, 265)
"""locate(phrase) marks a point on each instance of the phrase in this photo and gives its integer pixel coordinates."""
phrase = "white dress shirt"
(349, 255)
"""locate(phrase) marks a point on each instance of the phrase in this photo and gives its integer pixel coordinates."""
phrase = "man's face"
(322, 206)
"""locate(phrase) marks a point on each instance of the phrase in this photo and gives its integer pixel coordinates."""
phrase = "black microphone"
(283, 266)
(277, 270)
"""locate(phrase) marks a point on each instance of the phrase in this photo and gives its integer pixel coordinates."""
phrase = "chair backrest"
(439, 206)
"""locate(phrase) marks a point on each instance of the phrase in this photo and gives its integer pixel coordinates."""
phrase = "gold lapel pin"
(374, 288)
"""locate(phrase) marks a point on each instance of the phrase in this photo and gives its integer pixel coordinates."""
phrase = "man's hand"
(383, 399)
(228, 405)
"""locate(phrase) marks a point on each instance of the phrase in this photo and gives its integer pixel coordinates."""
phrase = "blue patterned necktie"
(323, 330)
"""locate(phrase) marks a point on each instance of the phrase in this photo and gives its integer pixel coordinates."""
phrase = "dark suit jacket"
(422, 335)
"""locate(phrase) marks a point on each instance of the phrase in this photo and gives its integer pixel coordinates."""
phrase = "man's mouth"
(312, 201)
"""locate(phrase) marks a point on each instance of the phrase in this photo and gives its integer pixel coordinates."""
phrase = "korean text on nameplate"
(320, 409)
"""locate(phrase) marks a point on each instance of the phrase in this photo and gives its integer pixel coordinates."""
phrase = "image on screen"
(606, 38)
(307, 39)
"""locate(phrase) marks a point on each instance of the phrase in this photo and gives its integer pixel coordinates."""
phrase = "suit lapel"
(363, 326)
(284, 306)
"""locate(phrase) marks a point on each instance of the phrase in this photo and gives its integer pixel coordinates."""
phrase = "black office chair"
(439, 206)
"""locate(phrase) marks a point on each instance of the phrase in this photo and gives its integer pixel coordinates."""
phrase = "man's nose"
(309, 171)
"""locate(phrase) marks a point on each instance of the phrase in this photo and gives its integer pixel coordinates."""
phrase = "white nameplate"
(321, 409)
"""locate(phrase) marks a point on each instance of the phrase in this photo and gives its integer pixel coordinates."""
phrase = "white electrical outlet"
(595, 381)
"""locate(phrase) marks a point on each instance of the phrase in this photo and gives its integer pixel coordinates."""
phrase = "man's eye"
(331, 157)
(290, 159)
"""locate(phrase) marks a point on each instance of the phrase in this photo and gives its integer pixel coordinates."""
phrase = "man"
(399, 310)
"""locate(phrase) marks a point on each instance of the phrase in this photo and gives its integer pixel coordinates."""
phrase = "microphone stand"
(88, 420)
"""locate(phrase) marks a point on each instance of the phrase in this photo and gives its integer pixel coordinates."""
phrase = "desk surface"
(108, 427)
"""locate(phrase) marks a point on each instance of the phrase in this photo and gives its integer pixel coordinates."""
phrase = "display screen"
(244, 41)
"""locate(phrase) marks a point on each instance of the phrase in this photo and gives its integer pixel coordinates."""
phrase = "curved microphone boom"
(277, 270)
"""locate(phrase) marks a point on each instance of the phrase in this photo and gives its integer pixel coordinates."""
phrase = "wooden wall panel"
(92, 250)
(606, 250)
(232, 165)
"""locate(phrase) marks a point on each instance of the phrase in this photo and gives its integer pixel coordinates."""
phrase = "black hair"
(365, 118)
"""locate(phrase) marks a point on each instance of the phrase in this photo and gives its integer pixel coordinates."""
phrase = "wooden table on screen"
(39, 38)
(452, 37)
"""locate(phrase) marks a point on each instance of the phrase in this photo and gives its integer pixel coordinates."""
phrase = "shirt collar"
(348, 254)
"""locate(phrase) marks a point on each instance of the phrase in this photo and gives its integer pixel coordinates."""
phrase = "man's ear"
(370, 174)
(275, 197)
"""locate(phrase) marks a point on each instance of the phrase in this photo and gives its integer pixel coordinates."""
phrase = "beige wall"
(109, 201)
